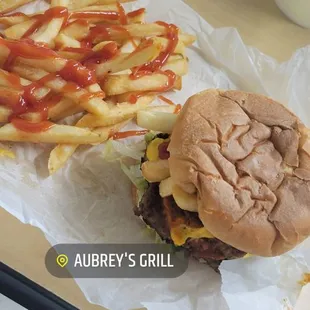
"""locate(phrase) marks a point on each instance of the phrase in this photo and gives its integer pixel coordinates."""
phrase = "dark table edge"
(27, 293)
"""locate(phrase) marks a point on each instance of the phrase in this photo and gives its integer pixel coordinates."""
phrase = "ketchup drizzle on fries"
(104, 33)
(178, 107)
(136, 13)
(56, 12)
(126, 134)
(79, 66)
(133, 98)
(161, 60)
(28, 49)
(106, 53)
(157, 64)
(122, 14)
(166, 100)
(27, 126)
(17, 14)
(77, 75)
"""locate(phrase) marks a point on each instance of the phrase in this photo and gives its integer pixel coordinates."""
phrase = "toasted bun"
(247, 157)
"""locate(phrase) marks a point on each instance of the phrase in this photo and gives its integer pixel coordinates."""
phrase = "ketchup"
(13, 80)
(27, 126)
(166, 100)
(25, 100)
(122, 14)
(80, 22)
(163, 152)
(9, 62)
(55, 12)
(105, 33)
(49, 77)
(136, 13)
(133, 97)
(106, 53)
(178, 109)
(11, 99)
(126, 134)
(28, 49)
(75, 72)
(161, 60)
(157, 64)
(78, 50)
(28, 102)
(17, 14)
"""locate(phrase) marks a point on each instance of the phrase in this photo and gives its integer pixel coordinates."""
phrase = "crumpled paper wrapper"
(90, 200)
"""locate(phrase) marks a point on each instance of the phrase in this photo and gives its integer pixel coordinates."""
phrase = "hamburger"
(232, 179)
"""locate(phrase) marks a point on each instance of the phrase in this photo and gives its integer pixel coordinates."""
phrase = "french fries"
(59, 3)
(165, 187)
(5, 112)
(62, 152)
(117, 113)
(18, 30)
(177, 64)
(49, 32)
(74, 4)
(184, 200)
(56, 134)
(101, 8)
(92, 60)
(10, 5)
(162, 108)
(156, 121)
(77, 31)
(81, 97)
(155, 171)
(8, 21)
(118, 84)
(127, 61)
(142, 31)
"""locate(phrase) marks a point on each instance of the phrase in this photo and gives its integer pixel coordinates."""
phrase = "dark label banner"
(115, 261)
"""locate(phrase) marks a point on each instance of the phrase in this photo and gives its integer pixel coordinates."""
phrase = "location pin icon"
(62, 260)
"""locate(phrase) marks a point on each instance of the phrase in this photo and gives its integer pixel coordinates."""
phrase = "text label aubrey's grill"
(115, 261)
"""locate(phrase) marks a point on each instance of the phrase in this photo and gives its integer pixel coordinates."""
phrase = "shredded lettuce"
(115, 150)
(149, 137)
(134, 173)
(119, 151)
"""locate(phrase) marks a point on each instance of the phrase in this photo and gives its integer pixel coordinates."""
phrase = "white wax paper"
(90, 201)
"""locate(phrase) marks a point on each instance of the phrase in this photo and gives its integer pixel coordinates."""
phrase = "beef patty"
(152, 210)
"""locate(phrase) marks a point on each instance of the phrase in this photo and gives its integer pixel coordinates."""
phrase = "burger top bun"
(248, 159)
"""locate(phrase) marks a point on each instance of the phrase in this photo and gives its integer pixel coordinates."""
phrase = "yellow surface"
(180, 233)
(152, 153)
(261, 25)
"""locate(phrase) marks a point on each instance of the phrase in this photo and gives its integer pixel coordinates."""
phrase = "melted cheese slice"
(152, 153)
(179, 234)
